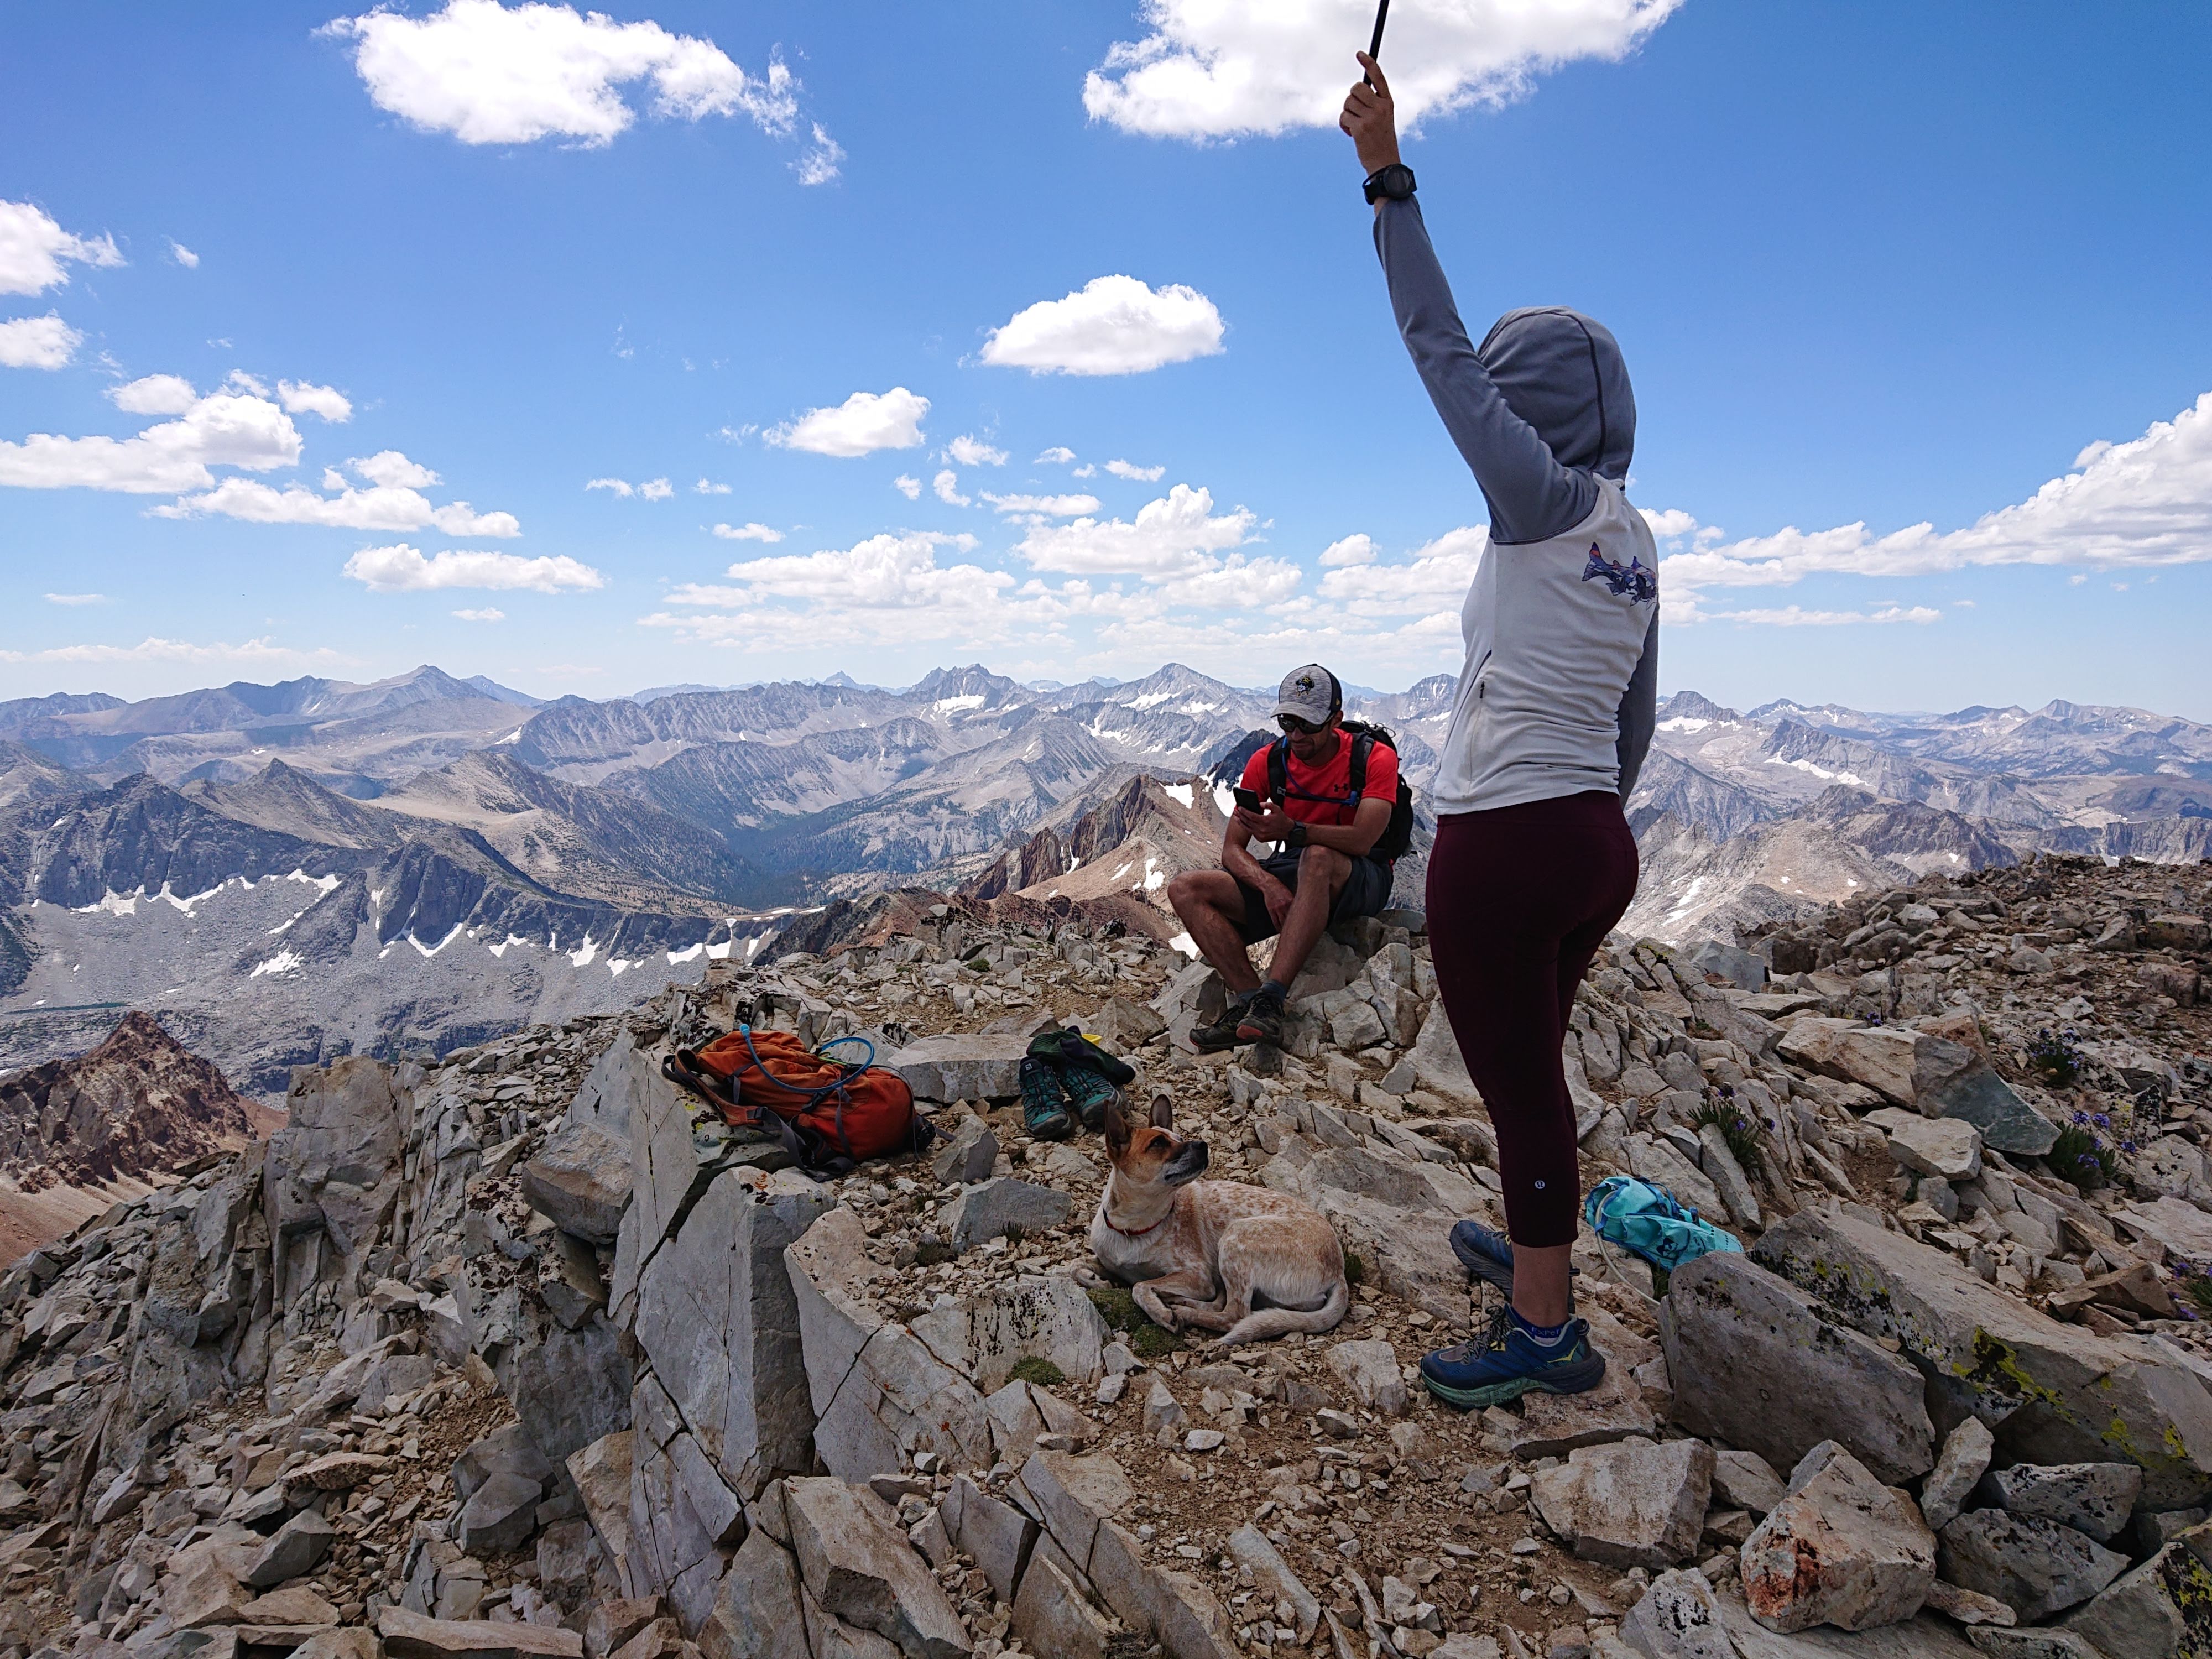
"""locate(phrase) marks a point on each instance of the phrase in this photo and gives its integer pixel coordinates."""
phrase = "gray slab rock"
(2046, 1643)
(501, 1513)
(966, 1153)
(1073, 1495)
(2006, 1122)
(1745, 1481)
(1046, 1316)
(669, 1170)
(296, 1548)
(1678, 1618)
(2053, 1393)
(1718, 1161)
(2096, 1498)
(1051, 1617)
(1553, 1424)
(1273, 1576)
(983, 1212)
(1841, 1549)
(970, 1066)
(1656, 1159)
(2036, 1568)
(718, 1317)
(756, 1614)
(1965, 1458)
(998, 1535)
(1629, 1505)
(1395, 1212)
(507, 1450)
(1946, 1147)
(601, 1475)
(1758, 1363)
(854, 1560)
(410, 1635)
(1923, 1637)
(581, 1182)
(2160, 1610)
(1369, 1368)
(570, 1385)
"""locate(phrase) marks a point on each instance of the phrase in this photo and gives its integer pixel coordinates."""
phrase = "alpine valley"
(282, 874)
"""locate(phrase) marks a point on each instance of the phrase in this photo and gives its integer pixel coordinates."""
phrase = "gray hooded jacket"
(1543, 412)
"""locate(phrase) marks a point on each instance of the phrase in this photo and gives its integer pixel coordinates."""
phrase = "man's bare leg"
(1211, 906)
(1323, 872)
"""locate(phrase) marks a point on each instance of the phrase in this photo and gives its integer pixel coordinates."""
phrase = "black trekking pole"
(1374, 46)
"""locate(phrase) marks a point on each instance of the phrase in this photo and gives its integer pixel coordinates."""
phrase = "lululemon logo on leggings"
(1539, 1186)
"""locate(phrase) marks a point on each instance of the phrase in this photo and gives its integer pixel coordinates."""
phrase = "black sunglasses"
(1292, 723)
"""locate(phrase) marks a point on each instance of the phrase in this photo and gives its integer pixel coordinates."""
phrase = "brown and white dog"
(1216, 1256)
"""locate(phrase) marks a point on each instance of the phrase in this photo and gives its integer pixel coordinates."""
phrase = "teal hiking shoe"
(1045, 1112)
(1088, 1094)
(1505, 1362)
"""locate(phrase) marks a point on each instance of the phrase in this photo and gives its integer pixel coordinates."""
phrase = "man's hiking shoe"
(1045, 1112)
(1073, 1051)
(1222, 1034)
(1505, 1362)
(1262, 1021)
(1088, 1094)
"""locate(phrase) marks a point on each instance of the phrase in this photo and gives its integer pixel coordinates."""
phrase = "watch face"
(1397, 181)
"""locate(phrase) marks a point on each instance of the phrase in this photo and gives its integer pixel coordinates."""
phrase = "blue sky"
(1873, 266)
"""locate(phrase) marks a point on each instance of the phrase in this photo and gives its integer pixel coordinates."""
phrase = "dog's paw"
(1090, 1280)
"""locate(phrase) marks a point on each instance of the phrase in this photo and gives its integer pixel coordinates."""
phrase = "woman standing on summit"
(1534, 863)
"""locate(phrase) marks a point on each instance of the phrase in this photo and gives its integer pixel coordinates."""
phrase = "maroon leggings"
(1520, 898)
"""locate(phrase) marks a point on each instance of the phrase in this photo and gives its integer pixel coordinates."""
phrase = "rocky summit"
(518, 1353)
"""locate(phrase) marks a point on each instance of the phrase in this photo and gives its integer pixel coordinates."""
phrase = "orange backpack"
(829, 1114)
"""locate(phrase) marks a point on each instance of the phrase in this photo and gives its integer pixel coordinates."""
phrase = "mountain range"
(286, 872)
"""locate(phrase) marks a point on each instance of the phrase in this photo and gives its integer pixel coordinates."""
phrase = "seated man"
(1321, 872)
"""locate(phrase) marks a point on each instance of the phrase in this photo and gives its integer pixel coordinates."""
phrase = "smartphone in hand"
(1250, 800)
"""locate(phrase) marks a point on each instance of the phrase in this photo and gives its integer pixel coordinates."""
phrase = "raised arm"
(1531, 496)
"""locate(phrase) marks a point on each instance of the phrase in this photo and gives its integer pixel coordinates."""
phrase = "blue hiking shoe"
(1487, 1254)
(1505, 1362)
(1045, 1110)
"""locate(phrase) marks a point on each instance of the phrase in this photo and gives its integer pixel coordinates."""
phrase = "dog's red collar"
(1140, 1231)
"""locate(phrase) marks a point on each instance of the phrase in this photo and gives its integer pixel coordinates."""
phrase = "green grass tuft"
(1038, 1370)
(1154, 1341)
(1122, 1314)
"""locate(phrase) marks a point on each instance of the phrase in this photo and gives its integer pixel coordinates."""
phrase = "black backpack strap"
(1362, 746)
(1279, 769)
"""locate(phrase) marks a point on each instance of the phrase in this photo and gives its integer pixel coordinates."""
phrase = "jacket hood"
(1563, 374)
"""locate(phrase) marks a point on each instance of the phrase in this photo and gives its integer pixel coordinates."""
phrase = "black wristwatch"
(1394, 181)
(1298, 835)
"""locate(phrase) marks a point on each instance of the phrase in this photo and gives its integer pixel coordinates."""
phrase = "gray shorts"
(1366, 892)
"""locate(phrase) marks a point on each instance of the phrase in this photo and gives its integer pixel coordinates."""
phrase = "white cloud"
(969, 450)
(1058, 455)
(1797, 616)
(402, 569)
(747, 533)
(2144, 502)
(656, 489)
(183, 255)
(1053, 507)
(33, 247)
(379, 507)
(817, 165)
(862, 424)
(1669, 523)
(1219, 68)
(1435, 580)
(487, 614)
(706, 487)
(907, 485)
(1177, 535)
(886, 586)
(300, 398)
(45, 341)
(1086, 471)
(394, 470)
(1352, 550)
(1139, 474)
(155, 649)
(219, 430)
(619, 486)
(1111, 325)
(492, 74)
(947, 486)
(76, 598)
(155, 394)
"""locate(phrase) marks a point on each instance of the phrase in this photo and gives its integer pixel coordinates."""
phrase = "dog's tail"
(1264, 1322)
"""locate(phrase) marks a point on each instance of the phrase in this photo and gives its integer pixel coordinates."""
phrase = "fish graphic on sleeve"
(1632, 582)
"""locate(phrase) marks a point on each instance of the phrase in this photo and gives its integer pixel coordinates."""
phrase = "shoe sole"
(1253, 1034)
(1569, 1379)
(1490, 1272)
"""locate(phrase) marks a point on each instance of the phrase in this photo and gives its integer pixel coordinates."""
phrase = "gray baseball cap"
(1309, 692)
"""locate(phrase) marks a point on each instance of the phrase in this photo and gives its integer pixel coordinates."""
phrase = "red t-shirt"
(1332, 779)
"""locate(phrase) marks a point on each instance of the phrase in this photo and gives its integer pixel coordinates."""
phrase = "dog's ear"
(1163, 1112)
(1117, 1129)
